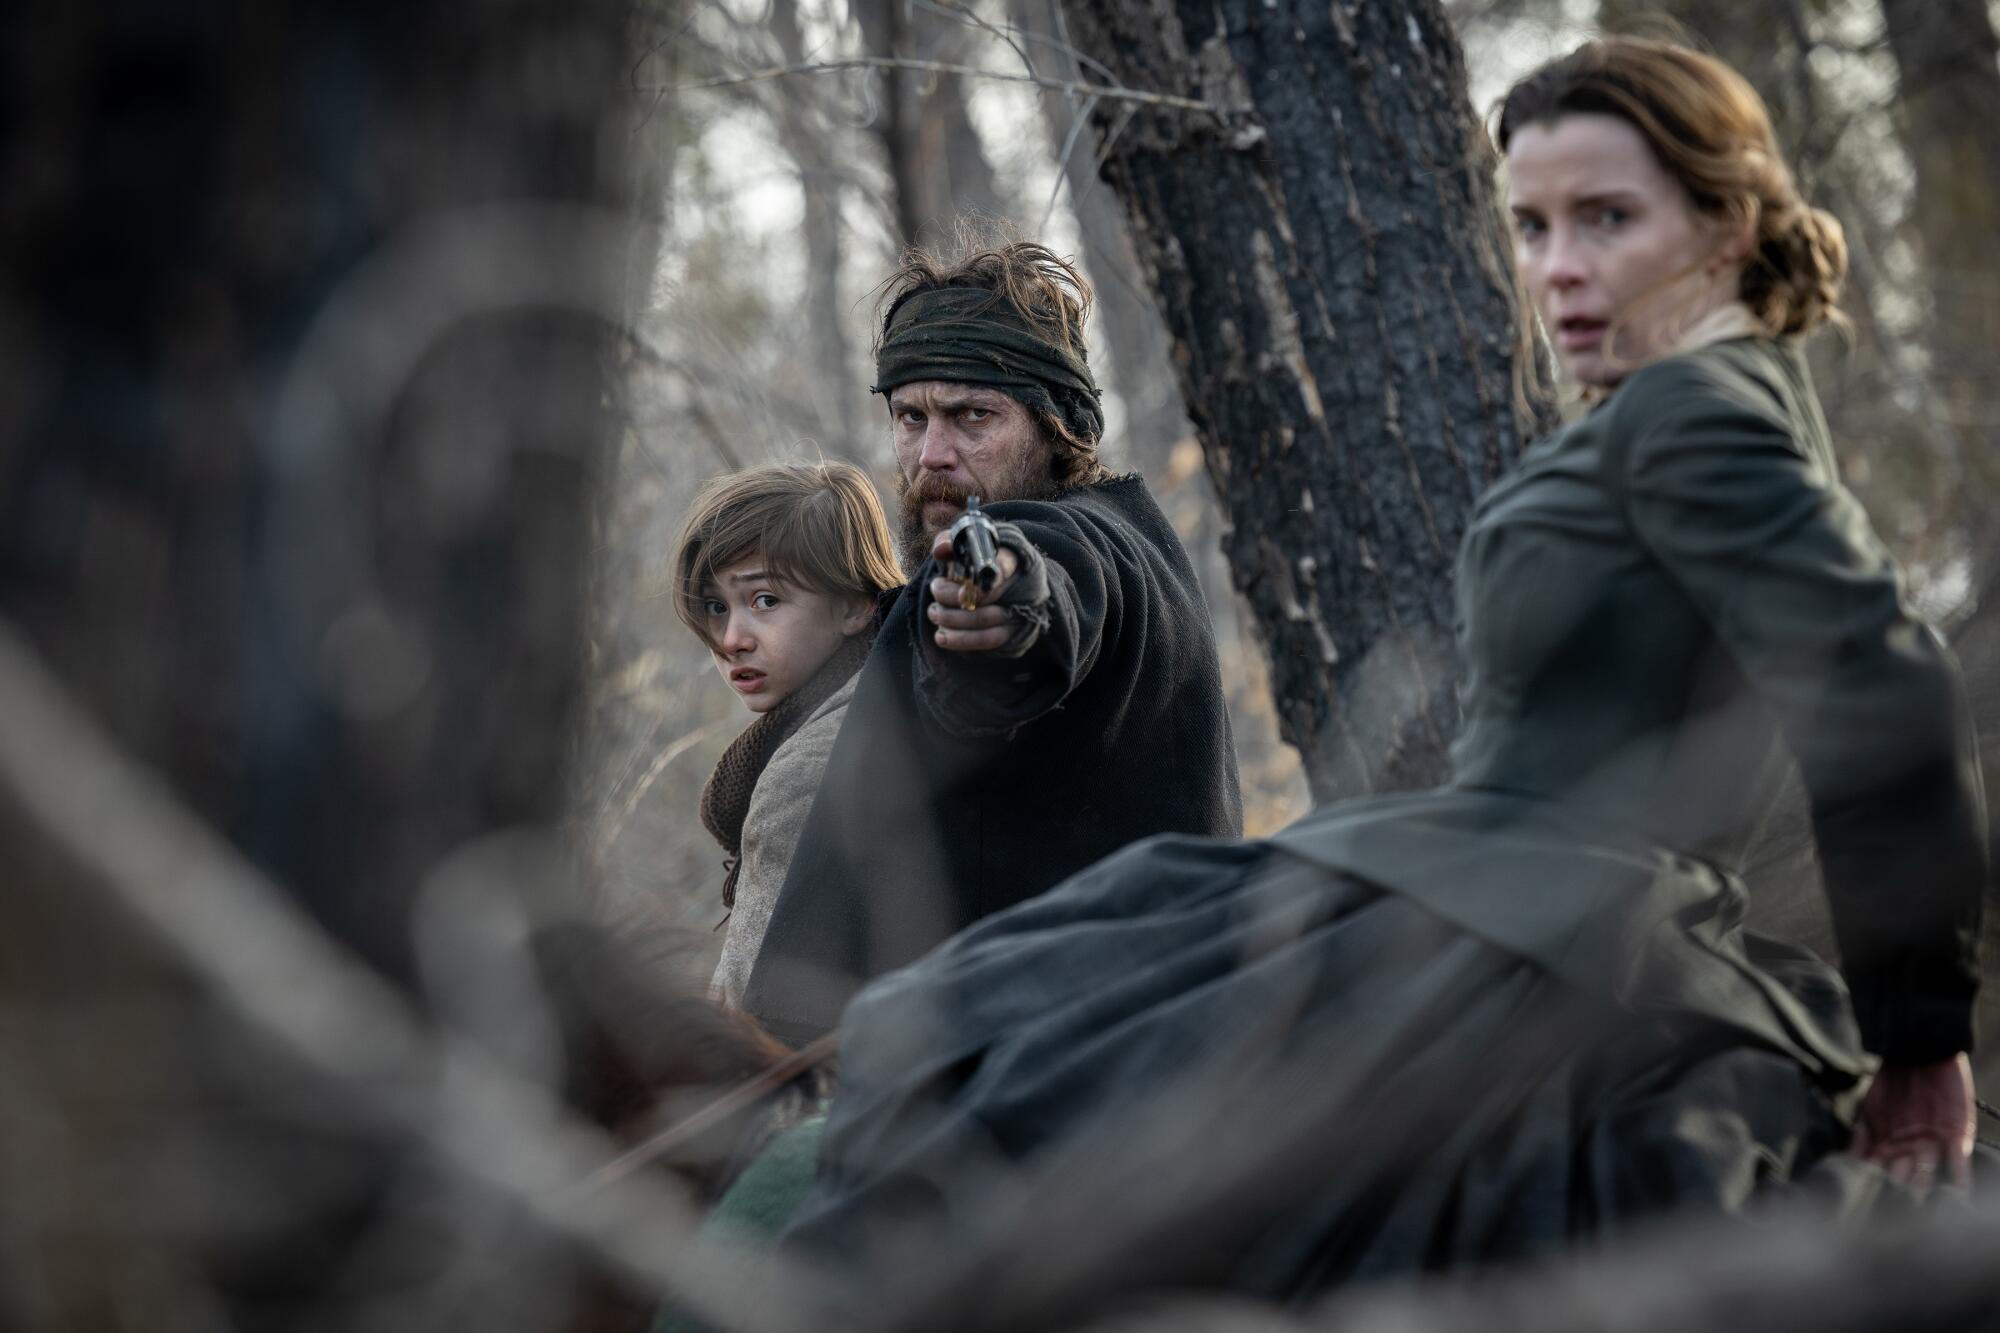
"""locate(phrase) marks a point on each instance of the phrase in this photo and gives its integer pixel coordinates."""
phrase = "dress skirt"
(1417, 1032)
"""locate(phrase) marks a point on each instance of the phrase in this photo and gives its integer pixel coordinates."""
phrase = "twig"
(612, 827)
(713, 434)
(1111, 137)
(1061, 41)
(1080, 117)
(802, 1061)
(697, 374)
(131, 841)
(627, 769)
(660, 95)
(639, 63)
(1069, 86)
(1059, 22)
(972, 20)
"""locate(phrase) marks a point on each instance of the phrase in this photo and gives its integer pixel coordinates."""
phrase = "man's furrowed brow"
(945, 400)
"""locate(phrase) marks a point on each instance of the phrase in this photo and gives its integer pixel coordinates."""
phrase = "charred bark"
(1328, 257)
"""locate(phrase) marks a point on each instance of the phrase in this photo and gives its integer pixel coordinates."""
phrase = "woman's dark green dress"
(1522, 1006)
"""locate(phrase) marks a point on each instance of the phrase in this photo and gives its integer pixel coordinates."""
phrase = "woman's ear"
(1735, 239)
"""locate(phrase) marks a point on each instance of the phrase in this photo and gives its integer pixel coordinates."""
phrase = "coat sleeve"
(1779, 558)
(779, 805)
(1069, 597)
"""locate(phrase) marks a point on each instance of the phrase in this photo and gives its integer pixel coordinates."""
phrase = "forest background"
(358, 361)
(799, 158)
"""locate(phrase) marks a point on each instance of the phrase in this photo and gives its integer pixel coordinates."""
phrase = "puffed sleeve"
(1737, 499)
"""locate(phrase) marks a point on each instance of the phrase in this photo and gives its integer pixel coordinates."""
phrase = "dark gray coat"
(960, 785)
(1477, 1024)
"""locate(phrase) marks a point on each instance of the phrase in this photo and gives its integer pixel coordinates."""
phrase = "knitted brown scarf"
(725, 800)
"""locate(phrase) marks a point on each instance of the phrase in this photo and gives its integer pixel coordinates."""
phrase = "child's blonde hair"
(815, 525)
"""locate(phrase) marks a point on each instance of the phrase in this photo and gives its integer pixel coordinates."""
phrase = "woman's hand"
(1917, 1123)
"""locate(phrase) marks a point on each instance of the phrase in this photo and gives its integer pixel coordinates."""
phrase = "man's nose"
(940, 450)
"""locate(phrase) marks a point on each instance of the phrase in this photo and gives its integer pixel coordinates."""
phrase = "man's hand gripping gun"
(975, 555)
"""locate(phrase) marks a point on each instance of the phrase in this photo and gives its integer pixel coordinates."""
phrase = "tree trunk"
(1760, 42)
(1948, 103)
(1137, 365)
(936, 159)
(1329, 260)
(826, 317)
(302, 402)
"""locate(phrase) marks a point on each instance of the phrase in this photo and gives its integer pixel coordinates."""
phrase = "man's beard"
(930, 488)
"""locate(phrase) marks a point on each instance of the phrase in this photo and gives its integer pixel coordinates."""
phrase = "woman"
(1487, 1021)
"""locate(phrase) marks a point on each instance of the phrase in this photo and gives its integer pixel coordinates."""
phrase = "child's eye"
(711, 606)
(764, 601)
(1529, 227)
(1609, 216)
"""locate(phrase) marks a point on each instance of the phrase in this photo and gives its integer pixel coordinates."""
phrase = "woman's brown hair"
(1710, 130)
(814, 525)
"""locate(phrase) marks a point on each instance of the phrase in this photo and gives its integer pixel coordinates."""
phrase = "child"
(777, 570)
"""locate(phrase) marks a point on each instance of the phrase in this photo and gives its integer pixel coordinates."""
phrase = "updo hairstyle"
(1710, 130)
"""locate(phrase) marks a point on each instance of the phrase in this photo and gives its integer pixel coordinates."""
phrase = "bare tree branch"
(612, 824)
(1166, 100)
(1078, 121)
(279, 973)
(972, 20)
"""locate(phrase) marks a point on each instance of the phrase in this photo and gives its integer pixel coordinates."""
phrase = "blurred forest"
(357, 363)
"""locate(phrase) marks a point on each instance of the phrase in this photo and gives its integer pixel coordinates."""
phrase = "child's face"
(769, 637)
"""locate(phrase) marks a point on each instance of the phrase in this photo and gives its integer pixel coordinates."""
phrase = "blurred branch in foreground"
(1933, 1276)
(129, 840)
(134, 844)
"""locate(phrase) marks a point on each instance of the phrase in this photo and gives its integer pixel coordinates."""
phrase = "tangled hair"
(818, 526)
(1051, 295)
(1710, 130)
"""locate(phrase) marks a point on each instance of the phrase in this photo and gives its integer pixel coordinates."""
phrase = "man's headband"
(970, 336)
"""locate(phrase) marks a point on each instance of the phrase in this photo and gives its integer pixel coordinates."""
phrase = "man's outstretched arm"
(1030, 640)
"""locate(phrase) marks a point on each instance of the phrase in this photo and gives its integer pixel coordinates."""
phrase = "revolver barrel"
(975, 551)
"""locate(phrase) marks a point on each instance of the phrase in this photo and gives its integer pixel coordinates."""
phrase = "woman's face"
(1615, 257)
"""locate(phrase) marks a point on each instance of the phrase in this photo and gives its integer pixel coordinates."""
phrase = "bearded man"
(990, 753)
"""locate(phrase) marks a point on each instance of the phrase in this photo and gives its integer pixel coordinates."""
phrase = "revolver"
(975, 554)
